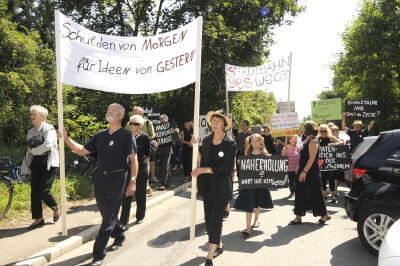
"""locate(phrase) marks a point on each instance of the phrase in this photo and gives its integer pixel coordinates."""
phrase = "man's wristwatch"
(133, 179)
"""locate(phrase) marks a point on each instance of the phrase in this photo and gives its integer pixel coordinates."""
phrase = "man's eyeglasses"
(134, 124)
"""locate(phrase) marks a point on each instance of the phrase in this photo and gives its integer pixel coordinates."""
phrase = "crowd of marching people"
(130, 157)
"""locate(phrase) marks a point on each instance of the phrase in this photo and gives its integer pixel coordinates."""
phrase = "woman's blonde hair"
(326, 127)
(137, 119)
(264, 151)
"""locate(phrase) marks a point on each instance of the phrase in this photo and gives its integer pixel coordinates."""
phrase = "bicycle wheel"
(6, 195)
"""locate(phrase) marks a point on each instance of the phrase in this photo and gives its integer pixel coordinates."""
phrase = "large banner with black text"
(132, 65)
(258, 172)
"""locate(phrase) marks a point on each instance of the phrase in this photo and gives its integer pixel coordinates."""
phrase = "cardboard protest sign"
(258, 172)
(323, 110)
(362, 109)
(267, 77)
(286, 107)
(332, 158)
(164, 133)
(133, 65)
(285, 124)
(151, 112)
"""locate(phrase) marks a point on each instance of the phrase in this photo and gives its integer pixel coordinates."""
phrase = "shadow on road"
(194, 261)
(74, 261)
(345, 253)
(83, 208)
(71, 232)
(5, 233)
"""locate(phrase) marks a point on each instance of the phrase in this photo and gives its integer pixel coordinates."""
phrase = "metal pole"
(60, 109)
(196, 127)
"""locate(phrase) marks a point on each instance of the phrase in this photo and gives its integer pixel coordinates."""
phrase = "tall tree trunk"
(158, 17)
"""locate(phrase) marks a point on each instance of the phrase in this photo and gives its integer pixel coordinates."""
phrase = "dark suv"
(374, 199)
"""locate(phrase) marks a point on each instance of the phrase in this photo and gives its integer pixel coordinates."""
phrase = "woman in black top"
(308, 184)
(143, 147)
(214, 183)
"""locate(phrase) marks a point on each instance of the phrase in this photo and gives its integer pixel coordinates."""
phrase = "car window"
(395, 155)
(363, 147)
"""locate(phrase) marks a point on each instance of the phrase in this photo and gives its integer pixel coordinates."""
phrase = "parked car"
(389, 253)
(374, 199)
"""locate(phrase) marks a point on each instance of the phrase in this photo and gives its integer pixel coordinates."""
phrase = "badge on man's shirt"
(111, 143)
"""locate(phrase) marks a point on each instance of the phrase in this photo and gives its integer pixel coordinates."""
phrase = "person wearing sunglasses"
(325, 138)
(136, 123)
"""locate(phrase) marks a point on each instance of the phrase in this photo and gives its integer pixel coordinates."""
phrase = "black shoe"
(125, 227)
(166, 185)
(139, 221)
(56, 217)
(226, 214)
(208, 262)
(34, 226)
(218, 252)
(117, 243)
(95, 262)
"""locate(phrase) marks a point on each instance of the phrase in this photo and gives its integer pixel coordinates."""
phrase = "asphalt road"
(163, 239)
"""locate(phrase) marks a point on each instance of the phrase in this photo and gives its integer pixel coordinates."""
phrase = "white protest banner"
(286, 107)
(285, 124)
(272, 75)
(132, 65)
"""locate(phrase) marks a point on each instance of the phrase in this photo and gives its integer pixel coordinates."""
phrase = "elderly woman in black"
(214, 182)
(42, 157)
(136, 123)
(308, 183)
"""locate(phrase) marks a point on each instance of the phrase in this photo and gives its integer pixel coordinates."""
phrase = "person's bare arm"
(335, 141)
(284, 151)
(371, 125)
(344, 122)
(74, 146)
(130, 190)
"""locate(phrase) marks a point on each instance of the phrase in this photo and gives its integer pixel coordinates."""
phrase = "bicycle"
(9, 176)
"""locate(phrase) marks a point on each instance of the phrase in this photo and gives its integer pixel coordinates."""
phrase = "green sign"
(329, 109)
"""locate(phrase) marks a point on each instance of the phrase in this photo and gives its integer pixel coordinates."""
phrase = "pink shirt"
(293, 154)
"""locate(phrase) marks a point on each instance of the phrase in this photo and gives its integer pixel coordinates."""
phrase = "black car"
(374, 199)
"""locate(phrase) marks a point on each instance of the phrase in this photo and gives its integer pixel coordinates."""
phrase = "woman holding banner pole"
(308, 183)
(214, 182)
(252, 200)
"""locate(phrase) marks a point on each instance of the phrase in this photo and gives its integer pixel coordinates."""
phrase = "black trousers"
(292, 181)
(41, 183)
(187, 155)
(328, 177)
(108, 190)
(140, 195)
(213, 214)
(164, 157)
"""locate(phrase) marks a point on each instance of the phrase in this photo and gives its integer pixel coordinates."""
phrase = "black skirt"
(250, 199)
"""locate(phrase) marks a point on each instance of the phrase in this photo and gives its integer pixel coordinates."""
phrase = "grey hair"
(43, 112)
(139, 109)
(120, 107)
(137, 118)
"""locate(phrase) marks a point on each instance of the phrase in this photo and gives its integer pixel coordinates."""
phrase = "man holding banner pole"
(113, 147)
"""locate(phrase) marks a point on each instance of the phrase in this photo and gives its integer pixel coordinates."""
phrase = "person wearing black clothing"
(308, 184)
(187, 152)
(136, 123)
(268, 140)
(113, 147)
(357, 134)
(214, 178)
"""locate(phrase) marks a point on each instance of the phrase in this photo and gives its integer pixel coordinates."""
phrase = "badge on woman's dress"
(221, 154)
(111, 143)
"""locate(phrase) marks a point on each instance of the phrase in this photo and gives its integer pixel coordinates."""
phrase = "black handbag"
(35, 141)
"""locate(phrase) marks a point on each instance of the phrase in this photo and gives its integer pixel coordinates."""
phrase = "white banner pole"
(290, 75)
(227, 100)
(60, 108)
(196, 128)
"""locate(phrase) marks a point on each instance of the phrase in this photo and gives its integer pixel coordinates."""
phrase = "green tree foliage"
(369, 66)
(254, 106)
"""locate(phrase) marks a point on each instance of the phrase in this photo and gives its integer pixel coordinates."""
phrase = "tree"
(369, 66)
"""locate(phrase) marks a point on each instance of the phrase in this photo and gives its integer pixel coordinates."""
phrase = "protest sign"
(331, 158)
(362, 109)
(286, 107)
(164, 133)
(267, 77)
(329, 109)
(133, 65)
(285, 124)
(257, 172)
(151, 113)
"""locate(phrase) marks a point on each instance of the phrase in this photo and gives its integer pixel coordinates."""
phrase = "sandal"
(245, 232)
(322, 221)
(295, 221)
(256, 225)
(218, 252)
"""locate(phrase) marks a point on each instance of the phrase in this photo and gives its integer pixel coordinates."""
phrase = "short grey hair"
(120, 107)
(43, 112)
(138, 109)
(137, 119)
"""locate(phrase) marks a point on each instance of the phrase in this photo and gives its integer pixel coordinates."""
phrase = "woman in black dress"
(143, 146)
(214, 182)
(308, 184)
(252, 200)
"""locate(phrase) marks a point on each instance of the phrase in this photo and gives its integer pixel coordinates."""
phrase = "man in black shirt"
(268, 140)
(114, 146)
(357, 134)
